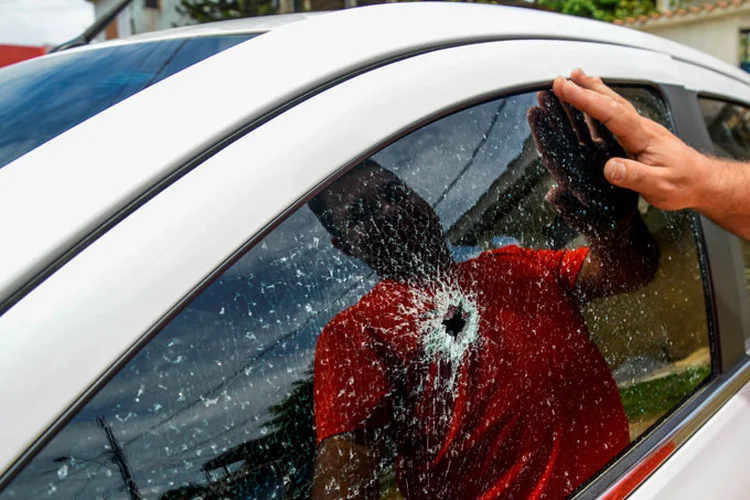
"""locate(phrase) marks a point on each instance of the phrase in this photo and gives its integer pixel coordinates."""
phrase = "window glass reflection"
(469, 313)
(43, 98)
(729, 127)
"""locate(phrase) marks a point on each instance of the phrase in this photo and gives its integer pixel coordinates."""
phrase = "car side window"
(729, 127)
(473, 311)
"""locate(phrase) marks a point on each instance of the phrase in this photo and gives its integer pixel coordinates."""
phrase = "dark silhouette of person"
(479, 377)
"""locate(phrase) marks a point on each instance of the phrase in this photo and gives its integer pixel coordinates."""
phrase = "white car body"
(119, 234)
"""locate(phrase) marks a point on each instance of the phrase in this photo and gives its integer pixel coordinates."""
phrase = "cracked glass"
(472, 312)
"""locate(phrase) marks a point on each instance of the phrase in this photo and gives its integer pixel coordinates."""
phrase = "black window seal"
(724, 264)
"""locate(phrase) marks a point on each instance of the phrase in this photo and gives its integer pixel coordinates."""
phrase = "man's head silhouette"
(374, 216)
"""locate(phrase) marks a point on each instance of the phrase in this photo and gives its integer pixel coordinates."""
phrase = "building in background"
(10, 54)
(720, 28)
(141, 16)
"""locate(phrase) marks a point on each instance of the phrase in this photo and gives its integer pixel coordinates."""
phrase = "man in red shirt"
(479, 377)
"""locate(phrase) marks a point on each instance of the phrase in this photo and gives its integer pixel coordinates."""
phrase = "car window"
(729, 127)
(42, 98)
(470, 312)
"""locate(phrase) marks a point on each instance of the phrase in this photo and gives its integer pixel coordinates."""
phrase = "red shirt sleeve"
(565, 264)
(350, 380)
(570, 265)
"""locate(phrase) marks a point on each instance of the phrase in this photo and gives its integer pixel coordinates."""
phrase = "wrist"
(711, 178)
(613, 231)
(726, 201)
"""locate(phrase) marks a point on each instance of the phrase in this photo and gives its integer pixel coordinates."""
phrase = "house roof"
(685, 14)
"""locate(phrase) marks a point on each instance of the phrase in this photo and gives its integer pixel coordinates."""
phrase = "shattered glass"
(416, 331)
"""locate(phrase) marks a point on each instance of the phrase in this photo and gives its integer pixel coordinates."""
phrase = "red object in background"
(10, 54)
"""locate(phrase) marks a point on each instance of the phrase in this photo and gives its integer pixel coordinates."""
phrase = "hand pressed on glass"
(668, 173)
(575, 148)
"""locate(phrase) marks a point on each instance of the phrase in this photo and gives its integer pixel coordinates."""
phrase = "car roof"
(295, 59)
(514, 22)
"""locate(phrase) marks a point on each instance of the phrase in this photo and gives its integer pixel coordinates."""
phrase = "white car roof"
(512, 23)
(281, 66)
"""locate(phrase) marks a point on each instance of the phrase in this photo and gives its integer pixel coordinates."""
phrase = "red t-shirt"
(488, 382)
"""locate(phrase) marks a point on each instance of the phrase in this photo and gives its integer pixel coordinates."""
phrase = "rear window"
(42, 98)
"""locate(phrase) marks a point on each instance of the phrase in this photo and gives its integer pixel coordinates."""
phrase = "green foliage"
(206, 11)
(602, 10)
(654, 398)
(293, 422)
(634, 8)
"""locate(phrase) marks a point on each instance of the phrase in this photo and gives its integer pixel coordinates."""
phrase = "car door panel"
(718, 450)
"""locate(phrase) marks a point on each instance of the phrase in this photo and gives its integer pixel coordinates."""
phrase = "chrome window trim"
(672, 433)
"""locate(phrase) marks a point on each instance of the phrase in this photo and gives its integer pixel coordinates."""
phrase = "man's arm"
(347, 466)
(623, 255)
(668, 173)
(622, 260)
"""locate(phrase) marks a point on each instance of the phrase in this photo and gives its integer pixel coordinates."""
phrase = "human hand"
(575, 151)
(668, 173)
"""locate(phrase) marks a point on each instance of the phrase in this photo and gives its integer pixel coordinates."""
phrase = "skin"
(348, 466)
(668, 173)
(373, 216)
(623, 256)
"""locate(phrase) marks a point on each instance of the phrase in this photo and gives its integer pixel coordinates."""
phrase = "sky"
(43, 22)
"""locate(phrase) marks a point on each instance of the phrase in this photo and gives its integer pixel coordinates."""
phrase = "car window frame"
(734, 242)
(721, 259)
(143, 337)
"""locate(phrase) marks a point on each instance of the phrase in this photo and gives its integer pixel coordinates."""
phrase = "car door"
(179, 345)
(714, 437)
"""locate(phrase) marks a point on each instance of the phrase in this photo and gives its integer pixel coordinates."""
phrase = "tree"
(634, 8)
(286, 453)
(206, 11)
(602, 10)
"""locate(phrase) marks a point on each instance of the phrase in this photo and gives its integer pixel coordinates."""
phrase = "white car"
(165, 276)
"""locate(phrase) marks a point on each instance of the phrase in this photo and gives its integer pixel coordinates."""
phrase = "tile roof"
(682, 12)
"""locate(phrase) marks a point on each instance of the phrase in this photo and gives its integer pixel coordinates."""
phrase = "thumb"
(630, 174)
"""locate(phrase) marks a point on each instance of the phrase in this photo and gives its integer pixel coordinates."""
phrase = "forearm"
(723, 194)
(620, 260)
(346, 468)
